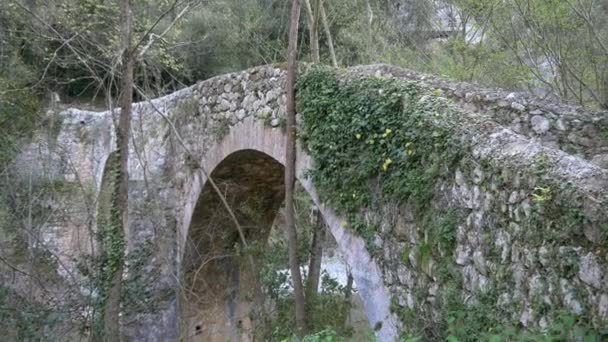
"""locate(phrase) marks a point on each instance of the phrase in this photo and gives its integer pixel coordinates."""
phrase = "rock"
(475, 197)
(513, 197)
(410, 300)
(536, 285)
(601, 160)
(603, 306)
(526, 207)
(502, 104)
(543, 256)
(478, 175)
(593, 233)
(470, 278)
(540, 124)
(580, 140)
(405, 276)
(459, 177)
(503, 240)
(526, 316)
(590, 271)
(224, 105)
(530, 258)
(240, 115)
(479, 262)
(463, 255)
(503, 300)
(519, 276)
(569, 298)
(518, 106)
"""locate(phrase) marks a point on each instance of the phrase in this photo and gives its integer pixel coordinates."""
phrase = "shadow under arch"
(217, 283)
(247, 164)
(214, 281)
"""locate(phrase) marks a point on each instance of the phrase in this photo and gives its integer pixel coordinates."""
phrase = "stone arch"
(248, 163)
(214, 277)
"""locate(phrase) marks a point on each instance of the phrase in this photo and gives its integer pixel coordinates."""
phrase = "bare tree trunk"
(330, 41)
(313, 28)
(290, 163)
(316, 255)
(314, 267)
(348, 292)
(604, 89)
(120, 205)
(370, 13)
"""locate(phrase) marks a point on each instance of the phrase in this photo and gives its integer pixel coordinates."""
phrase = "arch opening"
(221, 298)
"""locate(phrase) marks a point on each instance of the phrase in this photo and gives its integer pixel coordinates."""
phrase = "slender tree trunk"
(348, 292)
(370, 13)
(290, 163)
(314, 267)
(330, 41)
(604, 90)
(313, 28)
(111, 310)
(120, 205)
(316, 256)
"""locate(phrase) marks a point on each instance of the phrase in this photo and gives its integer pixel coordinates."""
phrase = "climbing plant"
(375, 133)
(377, 142)
(110, 239)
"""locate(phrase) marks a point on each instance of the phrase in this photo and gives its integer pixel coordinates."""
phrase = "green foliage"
(559, 45)
(329, 310)
(139, 293)
(24, 213)
(19, 116)
(556, 47)
(484, 321)
(327, 335)
(110, 238)
(565, 327)
(376, 141)
(375, 133)
(26, 320)
(541, 194)
(229, 35)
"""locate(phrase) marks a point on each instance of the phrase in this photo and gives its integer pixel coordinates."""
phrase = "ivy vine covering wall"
(473, 246)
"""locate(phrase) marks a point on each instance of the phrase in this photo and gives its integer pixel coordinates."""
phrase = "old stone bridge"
(230, 127)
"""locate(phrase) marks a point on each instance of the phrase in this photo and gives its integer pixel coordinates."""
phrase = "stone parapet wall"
(570, 128)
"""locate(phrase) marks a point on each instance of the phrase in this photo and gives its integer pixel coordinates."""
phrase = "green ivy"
(376, 141)
(110, 237)
(380, 135)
